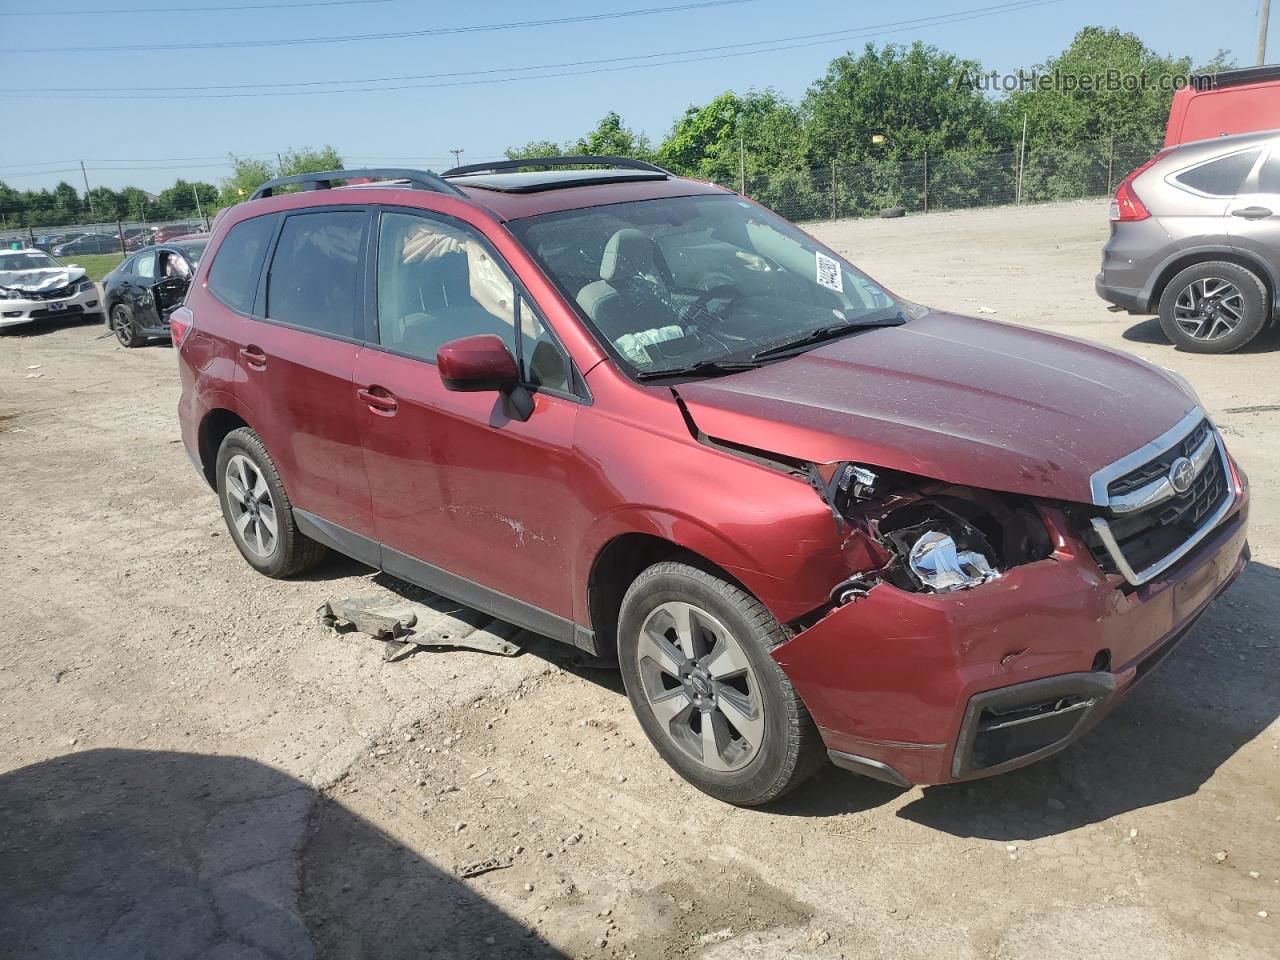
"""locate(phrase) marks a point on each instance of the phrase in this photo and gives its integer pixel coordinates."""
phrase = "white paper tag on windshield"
(829, 272)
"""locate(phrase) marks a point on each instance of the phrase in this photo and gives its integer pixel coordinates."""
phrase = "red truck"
(1218, 104)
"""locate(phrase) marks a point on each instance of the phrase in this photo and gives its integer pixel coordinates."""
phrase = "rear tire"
(1213, 307)
(694, 652)
(124, 327)
(258, 513)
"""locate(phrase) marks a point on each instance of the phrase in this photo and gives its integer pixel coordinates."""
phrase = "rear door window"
(1223, 177)
(233, 279)
(315, 280)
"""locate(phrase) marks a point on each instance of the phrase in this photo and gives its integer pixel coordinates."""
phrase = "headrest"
(628, 253)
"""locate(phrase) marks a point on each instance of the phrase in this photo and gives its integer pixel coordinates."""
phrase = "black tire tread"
(301, 552)
(805, 754)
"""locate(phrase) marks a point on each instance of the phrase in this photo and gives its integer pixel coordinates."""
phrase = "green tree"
(1079, 109)
(895, 103)
(107, 204)
(247, 174)
(611, 138)
(308, 160)
(759, 131)
(534, 148)
(181, 198)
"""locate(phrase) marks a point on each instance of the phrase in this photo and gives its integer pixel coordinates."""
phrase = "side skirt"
(431, 577)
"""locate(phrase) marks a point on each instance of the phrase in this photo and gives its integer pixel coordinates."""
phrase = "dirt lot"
(190, 766)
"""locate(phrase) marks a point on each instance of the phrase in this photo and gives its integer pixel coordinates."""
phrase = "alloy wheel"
(122, 324)
(1209, 309)
(253, 512)
(700, 686)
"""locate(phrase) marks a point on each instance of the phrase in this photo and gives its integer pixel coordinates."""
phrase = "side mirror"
(475, 364)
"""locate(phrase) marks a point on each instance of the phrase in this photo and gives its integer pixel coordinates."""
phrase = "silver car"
(1195, 237)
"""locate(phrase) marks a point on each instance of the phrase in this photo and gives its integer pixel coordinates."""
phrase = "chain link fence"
(955, 180)
(114, 236)
(951, 181)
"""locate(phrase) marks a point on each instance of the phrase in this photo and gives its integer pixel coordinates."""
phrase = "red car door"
(295, 364)
(465, 495)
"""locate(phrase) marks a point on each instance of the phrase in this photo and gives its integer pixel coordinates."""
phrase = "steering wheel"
(724, 291)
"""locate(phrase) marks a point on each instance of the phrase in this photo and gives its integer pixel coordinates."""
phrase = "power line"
(394, 35)
(213, 9)
(610, 64)
(1006, 7)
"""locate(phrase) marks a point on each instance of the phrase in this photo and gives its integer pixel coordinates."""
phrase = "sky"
(58, 108)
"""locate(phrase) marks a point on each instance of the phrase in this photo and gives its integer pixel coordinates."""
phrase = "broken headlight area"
(925, 536)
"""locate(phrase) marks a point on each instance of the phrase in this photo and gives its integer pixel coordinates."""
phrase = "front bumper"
(933, 688)
(87, 301)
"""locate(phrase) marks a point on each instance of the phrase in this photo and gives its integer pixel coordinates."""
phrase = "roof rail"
(504, 166)
(1235, 78)
(417, 179)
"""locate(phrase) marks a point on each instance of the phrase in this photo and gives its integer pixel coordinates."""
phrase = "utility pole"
(457, 156)
(87, 195)
(1022, 157)
(1264, 18)
(199, 213)
(926, 181)
(742, 166)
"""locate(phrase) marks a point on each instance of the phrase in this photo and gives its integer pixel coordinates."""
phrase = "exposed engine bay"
(924, 535)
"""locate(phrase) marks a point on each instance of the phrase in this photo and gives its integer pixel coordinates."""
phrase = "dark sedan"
(93, 243)
(140, 294)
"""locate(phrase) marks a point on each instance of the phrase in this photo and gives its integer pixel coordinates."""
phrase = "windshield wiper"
(703, 368)
(823, 334)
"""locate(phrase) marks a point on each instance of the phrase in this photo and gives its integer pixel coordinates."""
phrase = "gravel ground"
(190, 766)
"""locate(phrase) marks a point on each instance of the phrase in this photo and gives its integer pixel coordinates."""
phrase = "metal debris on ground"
(477, 867)
(401, 624)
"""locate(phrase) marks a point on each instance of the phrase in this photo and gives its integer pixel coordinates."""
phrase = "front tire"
(694, 652)
(1214, 307)
(257, 510)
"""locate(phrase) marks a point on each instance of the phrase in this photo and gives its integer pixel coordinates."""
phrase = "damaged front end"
(925, 536)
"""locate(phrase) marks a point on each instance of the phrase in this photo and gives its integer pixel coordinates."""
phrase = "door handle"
(1252, 213)
(379, 403)
(254, 357)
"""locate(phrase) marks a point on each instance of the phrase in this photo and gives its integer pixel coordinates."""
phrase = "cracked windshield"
(685, 284)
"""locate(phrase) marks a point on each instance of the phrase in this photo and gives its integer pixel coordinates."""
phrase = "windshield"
(672, 283)
(27, 260)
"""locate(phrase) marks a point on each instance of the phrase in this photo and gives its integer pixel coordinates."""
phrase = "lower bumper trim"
(869, 768)
(1012, 726)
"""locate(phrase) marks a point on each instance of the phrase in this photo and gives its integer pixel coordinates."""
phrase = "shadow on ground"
(1216, 692)
(131, 855)
(1147, 330)
(39, 328)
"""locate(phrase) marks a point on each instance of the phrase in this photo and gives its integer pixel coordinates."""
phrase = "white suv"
(36, 286)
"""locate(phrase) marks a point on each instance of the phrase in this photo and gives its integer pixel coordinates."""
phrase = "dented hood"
(952, 398)
(40, 280)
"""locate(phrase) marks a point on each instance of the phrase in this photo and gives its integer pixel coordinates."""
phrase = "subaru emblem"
(1182, 474)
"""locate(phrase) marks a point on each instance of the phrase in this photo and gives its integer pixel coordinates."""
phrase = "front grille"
(72, 310)
(1146, 537)
(1159, 467)
(60, 293)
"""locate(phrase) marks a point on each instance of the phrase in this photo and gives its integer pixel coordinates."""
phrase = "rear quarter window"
(1269, 179)
(233, 279)
(1220, 178)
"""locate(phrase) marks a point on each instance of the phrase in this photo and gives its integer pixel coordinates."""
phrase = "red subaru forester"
(643, 415)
